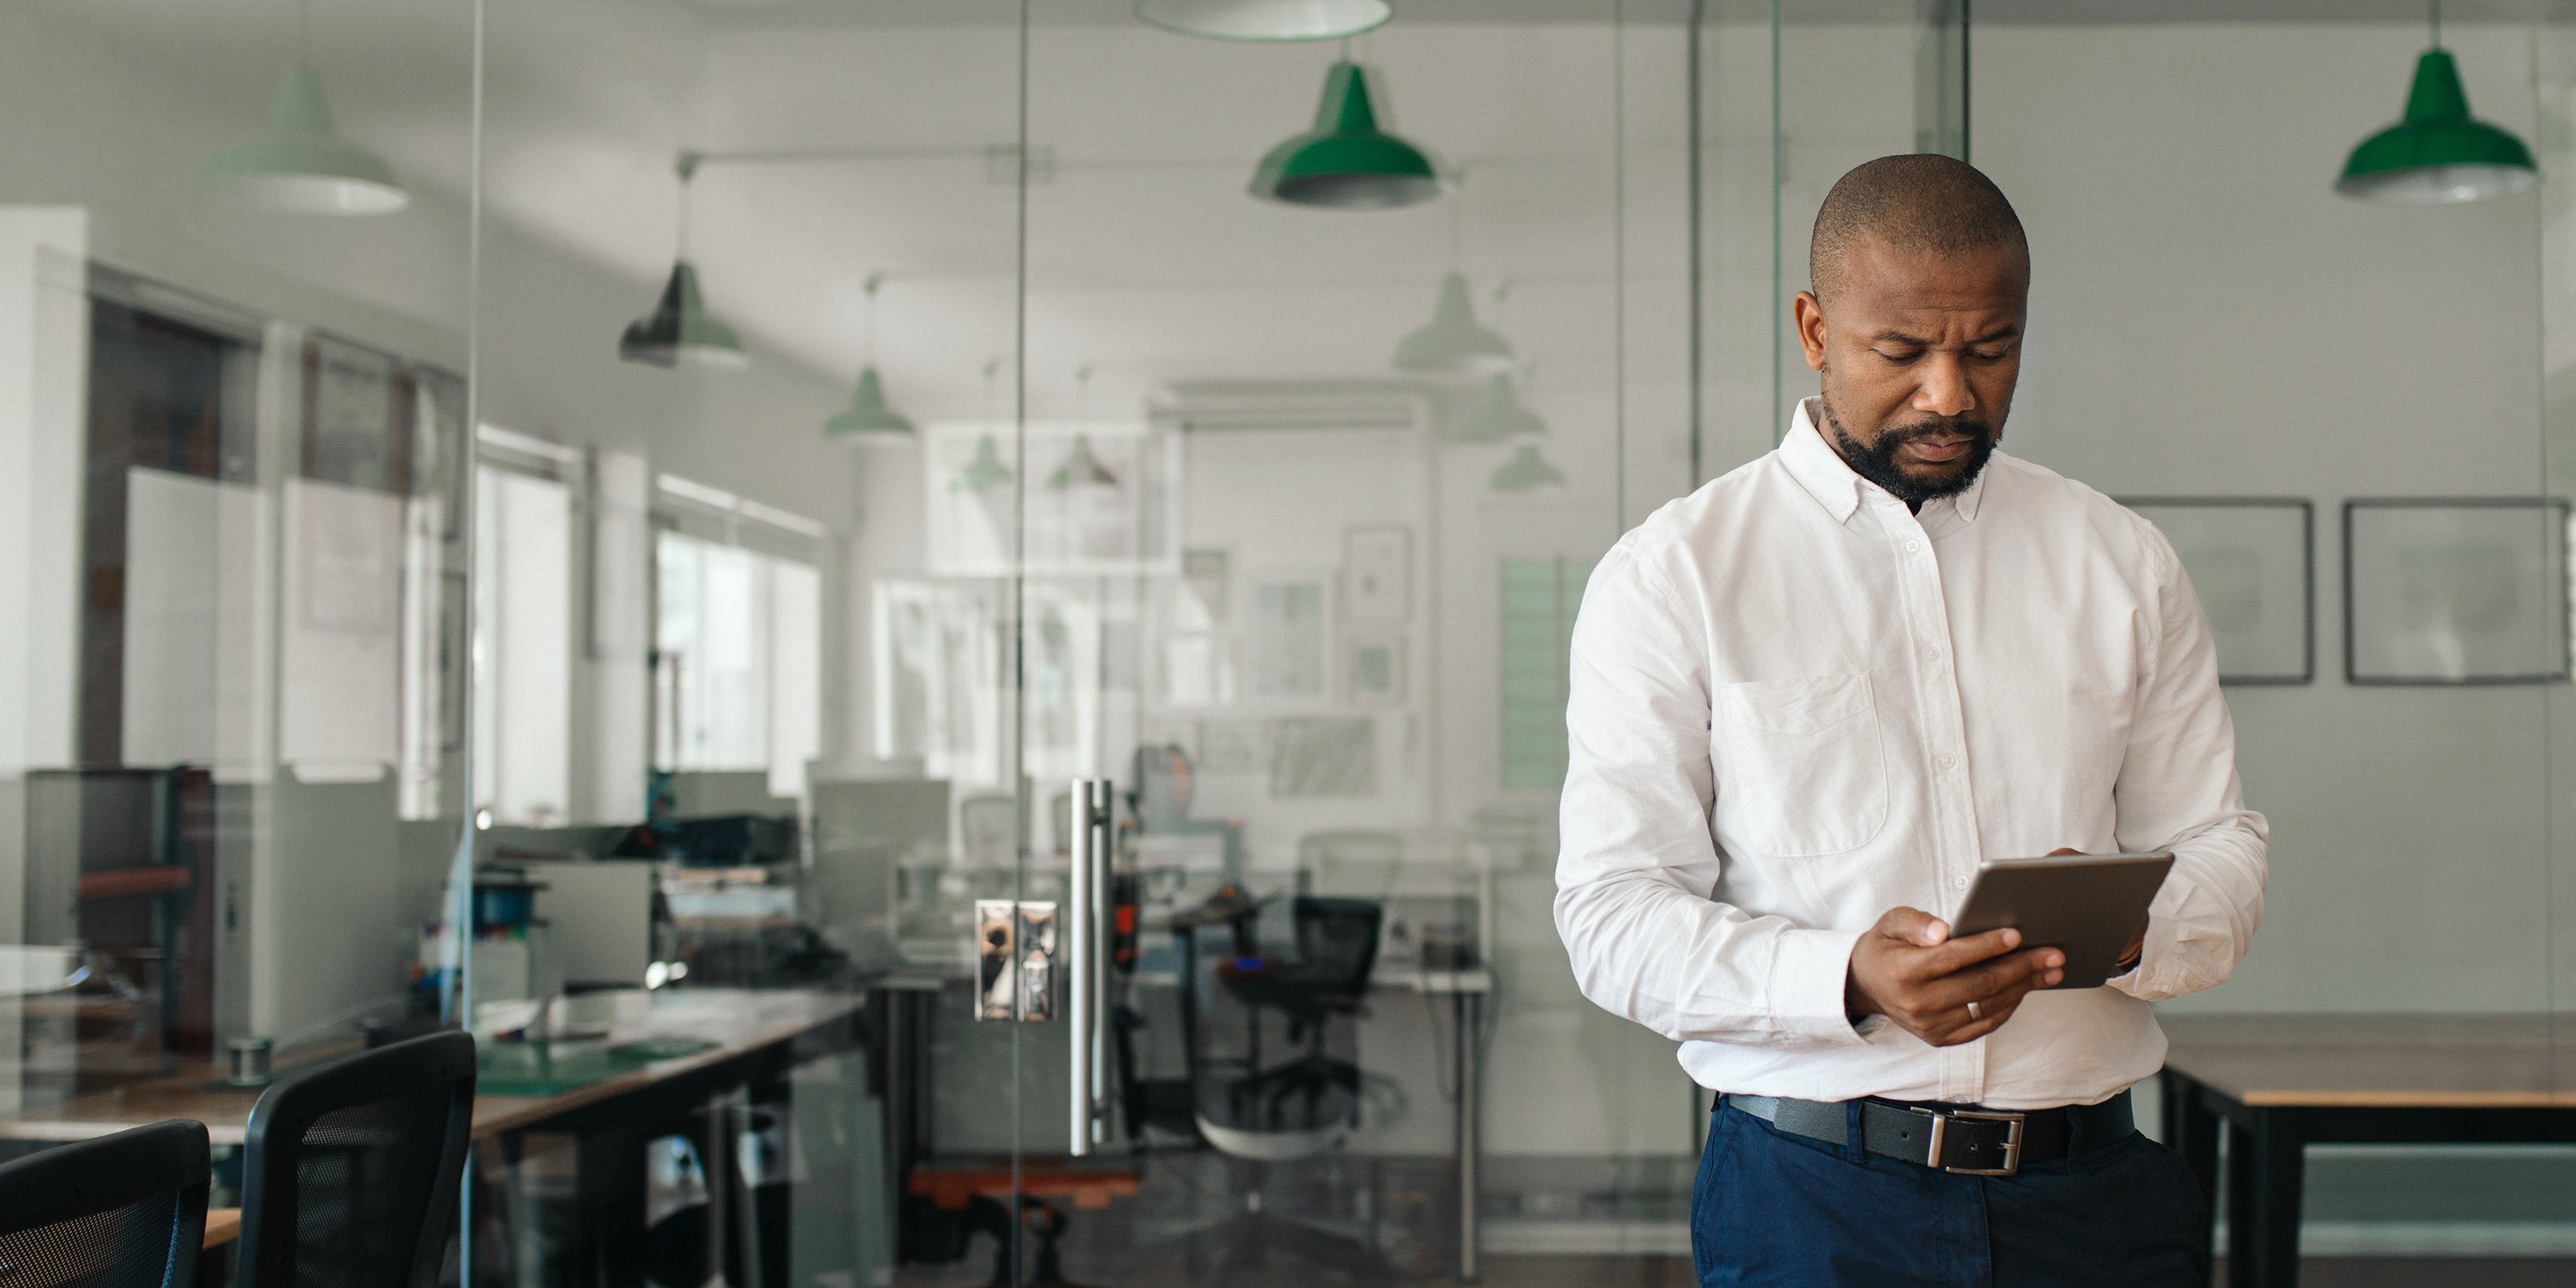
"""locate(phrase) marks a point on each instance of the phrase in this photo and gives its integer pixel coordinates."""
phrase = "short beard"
(1877, 463)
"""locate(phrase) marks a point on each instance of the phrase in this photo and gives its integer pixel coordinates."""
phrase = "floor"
(1675, 1272)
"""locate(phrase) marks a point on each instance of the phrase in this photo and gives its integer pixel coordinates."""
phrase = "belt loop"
(2078, 1131)
(1855, 1136)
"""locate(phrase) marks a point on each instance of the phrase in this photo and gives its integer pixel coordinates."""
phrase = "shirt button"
(1958, 883)
(1945, 762)
(1912, 546)
(1931, 654)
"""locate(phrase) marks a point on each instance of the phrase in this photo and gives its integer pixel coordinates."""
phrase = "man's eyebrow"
(2007, 331)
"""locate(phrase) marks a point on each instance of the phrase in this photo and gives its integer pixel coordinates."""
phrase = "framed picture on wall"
(1289, 636)
(1373, 667)
(2455, 591)
(1377, 572)
(2252, 560)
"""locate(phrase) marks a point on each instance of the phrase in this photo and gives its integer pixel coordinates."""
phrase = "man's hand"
(1909, 969)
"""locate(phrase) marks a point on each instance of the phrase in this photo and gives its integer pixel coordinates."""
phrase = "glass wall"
(635, 551)
(2339, 411)
(233, 740)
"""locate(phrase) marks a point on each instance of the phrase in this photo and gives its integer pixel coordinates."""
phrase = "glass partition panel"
(234, 246)
(1321, 440)
(2338, 411)
(742, 263)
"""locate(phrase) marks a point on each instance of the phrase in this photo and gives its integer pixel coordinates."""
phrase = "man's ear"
(1809, 315)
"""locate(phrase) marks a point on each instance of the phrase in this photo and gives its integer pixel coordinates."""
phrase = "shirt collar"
(1831, 481)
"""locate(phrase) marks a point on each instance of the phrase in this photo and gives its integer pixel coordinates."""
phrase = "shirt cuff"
(1809, 972)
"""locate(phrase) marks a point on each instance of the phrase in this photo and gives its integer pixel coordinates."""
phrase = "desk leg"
(2192, 1130)
(2240, 1206)
(610, 1188)
(2278, 1165)
(1465, 1009)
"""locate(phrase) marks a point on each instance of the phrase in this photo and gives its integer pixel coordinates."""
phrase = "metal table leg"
(1465, 1008)
(2278, 1166)
(2191, 1128)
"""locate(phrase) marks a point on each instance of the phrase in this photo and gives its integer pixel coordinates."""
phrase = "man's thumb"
(1915, 926)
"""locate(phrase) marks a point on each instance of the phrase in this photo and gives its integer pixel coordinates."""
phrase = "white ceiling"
(1145, 257)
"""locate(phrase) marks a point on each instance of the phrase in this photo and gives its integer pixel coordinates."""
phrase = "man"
(1808, 700)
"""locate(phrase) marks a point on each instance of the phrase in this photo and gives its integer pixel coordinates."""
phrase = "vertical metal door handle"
(1087, 947)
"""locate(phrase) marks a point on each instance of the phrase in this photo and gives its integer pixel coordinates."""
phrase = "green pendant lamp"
(1527, 471)
(1346, 162)
(1266, 19)
(986, 470)
(1081, 469)
(679, 332)
(1497, 415)
(1453, 341)
(868, 416)
(2438, 154)
(299, 164)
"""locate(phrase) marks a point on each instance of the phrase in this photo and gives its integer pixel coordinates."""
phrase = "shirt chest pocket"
(1800, 768)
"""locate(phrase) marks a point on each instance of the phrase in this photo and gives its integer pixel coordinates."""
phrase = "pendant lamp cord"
(2436, 6)
(304, 31)
(1457, 212)
(868, 343)
(688, 171)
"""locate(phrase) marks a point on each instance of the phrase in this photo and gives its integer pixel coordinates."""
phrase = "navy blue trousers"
(1771, 1207)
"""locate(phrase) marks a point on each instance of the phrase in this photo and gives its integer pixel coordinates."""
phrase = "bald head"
(1918, 204)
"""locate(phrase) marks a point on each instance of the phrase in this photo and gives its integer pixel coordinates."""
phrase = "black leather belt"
(1965, 1141)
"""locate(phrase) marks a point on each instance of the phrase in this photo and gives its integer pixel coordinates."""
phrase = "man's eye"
(1982, 356)
(1901, 356)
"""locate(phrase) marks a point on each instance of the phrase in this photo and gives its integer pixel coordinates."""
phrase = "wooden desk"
(759, 1036)
(748, 1027)
(2279, 1083)
(223, 1225)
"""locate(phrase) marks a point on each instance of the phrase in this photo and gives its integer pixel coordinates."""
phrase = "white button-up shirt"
(1796, 705)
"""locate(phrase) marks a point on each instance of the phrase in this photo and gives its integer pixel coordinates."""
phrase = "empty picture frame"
(2455, 591)
(2252, 561)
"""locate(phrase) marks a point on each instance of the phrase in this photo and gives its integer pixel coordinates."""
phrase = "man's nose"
(1944, 391)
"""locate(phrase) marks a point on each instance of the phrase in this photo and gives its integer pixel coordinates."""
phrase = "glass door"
(1343, 362)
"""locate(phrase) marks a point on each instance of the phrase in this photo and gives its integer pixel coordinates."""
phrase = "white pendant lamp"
(299, 164)
(1266, 19)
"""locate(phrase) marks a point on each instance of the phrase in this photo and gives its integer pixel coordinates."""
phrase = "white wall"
(2209, 319)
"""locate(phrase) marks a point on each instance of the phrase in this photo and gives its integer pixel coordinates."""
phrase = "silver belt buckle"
(2013, 1125)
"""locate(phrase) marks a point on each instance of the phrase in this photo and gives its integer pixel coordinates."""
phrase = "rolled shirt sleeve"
(2178, 790)
(1638, 868)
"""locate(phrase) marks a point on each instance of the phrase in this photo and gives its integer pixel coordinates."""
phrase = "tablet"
(2084, 905)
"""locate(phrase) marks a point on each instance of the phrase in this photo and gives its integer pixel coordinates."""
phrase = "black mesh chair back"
(121, 1211)
(350, 1169)
(1337, 943)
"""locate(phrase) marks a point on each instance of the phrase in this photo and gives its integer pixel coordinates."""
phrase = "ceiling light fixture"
(1266, 19)
(868, 416)
(1453, 341)
(679, 332)
(1527, 471)
(2438, 154)
(299, 164)
(1496, 415)
(1346, 162)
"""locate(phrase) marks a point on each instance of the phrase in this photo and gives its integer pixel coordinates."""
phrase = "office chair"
(121, 1211)
(350, 1168)
(1337, 947)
